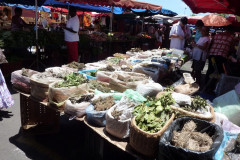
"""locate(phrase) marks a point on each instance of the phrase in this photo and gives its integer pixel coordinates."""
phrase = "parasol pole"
(111, 20)
(36, 26)
(142, 23)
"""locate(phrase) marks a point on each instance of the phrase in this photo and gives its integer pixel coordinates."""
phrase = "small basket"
(144, 142)
(195, 115)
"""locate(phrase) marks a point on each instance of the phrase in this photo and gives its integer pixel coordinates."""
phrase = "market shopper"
(158, 36)
(221, 46)
(17, 22)
(200, 53)
(71, 35)
(179, 33)
(199, 24)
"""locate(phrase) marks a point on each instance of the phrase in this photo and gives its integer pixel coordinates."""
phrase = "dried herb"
(168, 89)
(198, 103)
(152, 115)
(92, 73)
(73, 79)
(94, 84)
(83, 98)
(76, 65)
(102, 104)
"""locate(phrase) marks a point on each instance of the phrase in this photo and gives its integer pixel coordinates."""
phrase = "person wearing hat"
(179, 33)
(71, 35)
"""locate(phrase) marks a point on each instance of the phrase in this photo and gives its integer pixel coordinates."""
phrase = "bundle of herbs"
(198, 103)
(73, 79)
(152, 115)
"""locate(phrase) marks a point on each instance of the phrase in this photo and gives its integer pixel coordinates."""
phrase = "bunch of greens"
(73, 79)
(152, 114)
(168, 89)
(196, 104)
(92, 73)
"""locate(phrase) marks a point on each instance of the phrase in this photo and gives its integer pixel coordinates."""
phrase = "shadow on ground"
(5, 114)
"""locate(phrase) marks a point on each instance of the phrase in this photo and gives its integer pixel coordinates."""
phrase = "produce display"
(152, 115)
(114, 60)
(108, 68)
(73, 79)
(232, 150)
(26, 72)
(189, 138)
(102, 104)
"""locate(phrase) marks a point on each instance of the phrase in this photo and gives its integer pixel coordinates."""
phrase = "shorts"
(198, 65)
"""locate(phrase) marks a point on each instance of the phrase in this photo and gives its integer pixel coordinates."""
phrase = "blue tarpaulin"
(24, 2)
(145, 12)
(45, 9)
(82, 6)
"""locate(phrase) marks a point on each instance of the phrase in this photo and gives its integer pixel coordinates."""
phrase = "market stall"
(122, 91)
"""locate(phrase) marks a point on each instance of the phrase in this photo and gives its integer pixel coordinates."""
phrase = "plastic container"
(84, 72)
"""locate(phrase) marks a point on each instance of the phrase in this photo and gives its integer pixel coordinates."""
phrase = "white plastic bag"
(120, 127)
(78, 109)
(181, 99)
(2, 57)
(150, 89)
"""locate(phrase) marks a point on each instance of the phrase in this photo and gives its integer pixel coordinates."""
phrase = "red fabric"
(214, 6)
(215, 20)
(221, 44)
(119, 3)
(72, 48)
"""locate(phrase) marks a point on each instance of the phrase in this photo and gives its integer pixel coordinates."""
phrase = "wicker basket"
(195, 115)
(144, 142)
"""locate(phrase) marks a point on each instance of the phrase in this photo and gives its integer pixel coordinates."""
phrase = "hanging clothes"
(6, 99)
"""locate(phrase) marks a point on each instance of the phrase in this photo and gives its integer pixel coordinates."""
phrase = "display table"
(43, 118)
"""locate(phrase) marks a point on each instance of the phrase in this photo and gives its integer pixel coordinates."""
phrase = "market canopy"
(118, 3)
(82, 6)
(214, 6)
(146, 12)
(42, 8)
(24, 2)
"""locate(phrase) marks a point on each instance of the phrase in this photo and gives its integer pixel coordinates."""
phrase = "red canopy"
(214, 6)
(119, 3)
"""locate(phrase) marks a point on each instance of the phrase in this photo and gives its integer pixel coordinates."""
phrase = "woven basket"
(195, 115)
(144, 142)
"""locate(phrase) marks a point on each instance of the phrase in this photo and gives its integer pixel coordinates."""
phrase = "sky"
(177, 6)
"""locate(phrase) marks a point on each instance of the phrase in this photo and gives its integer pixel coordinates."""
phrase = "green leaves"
(152, 115)
(73, 79)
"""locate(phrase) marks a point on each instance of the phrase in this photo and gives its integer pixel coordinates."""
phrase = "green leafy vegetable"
(152, 115)
(73, 79)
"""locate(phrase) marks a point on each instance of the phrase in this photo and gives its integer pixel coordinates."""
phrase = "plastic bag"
(117, 96)
(169, 152)
(181, 99)
(121, 127)
(150, 71)
(78, 109)
(59, 95)
(226, 125)
(104, 76)
(2, 57)
(227, 137)
(229, 105)
(95, 117)
(22, 82)
(150, 89)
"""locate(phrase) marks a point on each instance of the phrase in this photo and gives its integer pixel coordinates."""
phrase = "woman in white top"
(200, 53)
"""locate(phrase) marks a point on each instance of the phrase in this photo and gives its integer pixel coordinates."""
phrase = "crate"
(38, 118)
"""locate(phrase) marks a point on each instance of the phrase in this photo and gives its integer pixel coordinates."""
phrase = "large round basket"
(144, 142)
(195, 115)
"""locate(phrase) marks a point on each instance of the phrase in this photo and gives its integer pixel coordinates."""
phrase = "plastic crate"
(37, 118)
(88, 76)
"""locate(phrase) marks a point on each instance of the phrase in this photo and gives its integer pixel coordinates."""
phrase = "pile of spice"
(189, 138)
